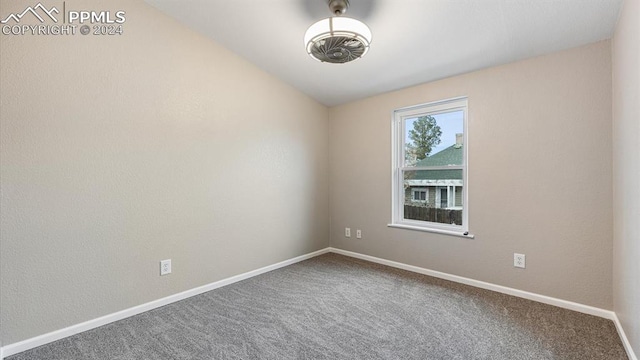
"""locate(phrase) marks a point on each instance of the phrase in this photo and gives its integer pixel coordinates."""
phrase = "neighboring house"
(440, 189)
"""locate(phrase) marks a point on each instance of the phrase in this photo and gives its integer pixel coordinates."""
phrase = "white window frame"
(397, 155)
(420, 189)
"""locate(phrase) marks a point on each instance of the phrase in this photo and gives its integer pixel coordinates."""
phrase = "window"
(420, 194)
(430, 167)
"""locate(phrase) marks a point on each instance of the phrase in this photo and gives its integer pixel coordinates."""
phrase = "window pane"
(444, 203)
(434, 140)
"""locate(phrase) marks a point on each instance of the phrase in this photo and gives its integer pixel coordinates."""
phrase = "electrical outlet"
(359, 234)
(347, 232)
(165, 267)
(518, 260)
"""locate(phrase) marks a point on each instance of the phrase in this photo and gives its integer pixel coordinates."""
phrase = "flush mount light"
(337, 39)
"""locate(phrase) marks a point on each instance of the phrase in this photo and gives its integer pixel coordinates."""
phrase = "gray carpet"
(335, 307)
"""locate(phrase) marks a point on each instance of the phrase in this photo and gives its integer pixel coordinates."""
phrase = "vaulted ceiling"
(414, 41)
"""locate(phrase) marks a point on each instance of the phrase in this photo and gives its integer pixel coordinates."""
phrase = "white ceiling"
(414, 41)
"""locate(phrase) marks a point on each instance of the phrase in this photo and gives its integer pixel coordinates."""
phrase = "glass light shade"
(337, 27)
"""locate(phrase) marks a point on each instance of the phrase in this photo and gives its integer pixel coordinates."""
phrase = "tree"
(410, 156)
(424, 135)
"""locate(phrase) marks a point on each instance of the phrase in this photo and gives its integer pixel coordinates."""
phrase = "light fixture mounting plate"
(338, 7)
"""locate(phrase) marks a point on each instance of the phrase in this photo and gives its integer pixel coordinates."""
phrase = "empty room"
(319, 179)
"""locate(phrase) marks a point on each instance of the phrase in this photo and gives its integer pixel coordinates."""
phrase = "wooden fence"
(442, 216)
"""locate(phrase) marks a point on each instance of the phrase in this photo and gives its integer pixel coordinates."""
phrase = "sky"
(450, 123)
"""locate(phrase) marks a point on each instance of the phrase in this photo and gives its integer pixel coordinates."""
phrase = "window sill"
(437, 231)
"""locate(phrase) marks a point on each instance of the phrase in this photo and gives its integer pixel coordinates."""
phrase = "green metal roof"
(453, 174)
(449, 156)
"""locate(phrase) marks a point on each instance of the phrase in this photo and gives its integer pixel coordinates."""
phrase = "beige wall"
(120, 151)
(626, 171)
(539, 176)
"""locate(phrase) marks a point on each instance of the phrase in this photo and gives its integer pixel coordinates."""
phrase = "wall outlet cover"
(165, 267)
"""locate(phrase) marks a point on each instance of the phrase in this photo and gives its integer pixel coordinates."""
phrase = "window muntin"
(430, 158)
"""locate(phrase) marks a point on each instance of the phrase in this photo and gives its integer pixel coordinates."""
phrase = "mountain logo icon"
(34, 11)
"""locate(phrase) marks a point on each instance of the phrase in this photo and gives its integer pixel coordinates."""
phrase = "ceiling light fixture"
(337, 39)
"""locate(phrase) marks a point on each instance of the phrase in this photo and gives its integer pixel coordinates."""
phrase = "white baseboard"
(484, 285)
(625, 339)
(27, 344)
(24, 345)
(586, 309)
